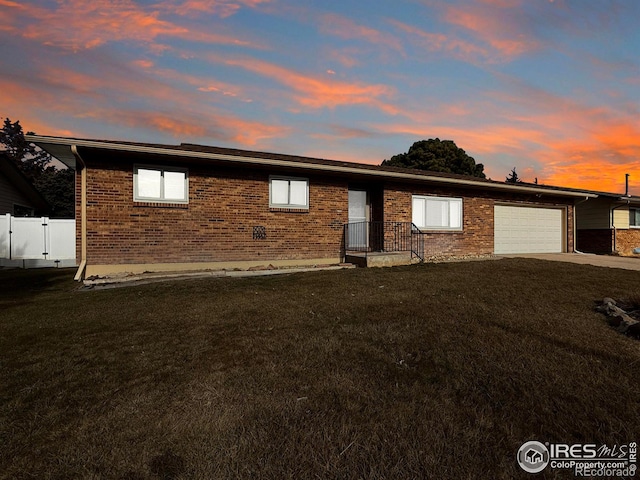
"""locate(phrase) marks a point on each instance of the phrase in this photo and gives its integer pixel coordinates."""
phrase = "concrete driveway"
(627, 263)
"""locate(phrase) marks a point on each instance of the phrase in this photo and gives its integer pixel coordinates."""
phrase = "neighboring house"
(609, 223)
(18, 196)
(143, 207)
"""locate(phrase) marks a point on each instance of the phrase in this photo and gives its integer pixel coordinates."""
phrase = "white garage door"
(528, 230)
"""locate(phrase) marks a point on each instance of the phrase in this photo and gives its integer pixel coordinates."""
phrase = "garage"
(519, 229)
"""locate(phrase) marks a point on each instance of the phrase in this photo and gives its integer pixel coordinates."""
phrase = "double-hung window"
(634, 217)
(437, 213)
(160, 184)
(288, 192)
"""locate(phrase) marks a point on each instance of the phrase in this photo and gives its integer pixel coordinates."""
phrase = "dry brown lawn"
(430, 371)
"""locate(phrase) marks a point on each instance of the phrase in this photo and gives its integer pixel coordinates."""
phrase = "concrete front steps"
(380, 259)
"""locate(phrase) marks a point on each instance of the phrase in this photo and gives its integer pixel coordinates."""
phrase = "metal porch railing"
(367, 237)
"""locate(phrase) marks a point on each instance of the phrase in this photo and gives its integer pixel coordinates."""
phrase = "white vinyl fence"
(37, 242)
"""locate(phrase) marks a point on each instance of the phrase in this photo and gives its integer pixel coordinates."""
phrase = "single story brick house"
(148, 207)
(18, 196)
(609, 223)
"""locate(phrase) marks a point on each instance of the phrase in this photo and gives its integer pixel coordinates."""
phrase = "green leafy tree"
(513, 177)
(31, 160)
(57, 188)
(437, 156)
(55, 185)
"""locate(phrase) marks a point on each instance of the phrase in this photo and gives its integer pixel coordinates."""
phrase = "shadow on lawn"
(20, 281)
(19, 286)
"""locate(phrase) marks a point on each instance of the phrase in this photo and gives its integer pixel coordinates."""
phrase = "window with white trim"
(160, 184)
(634, 217)
(288, 192)
(437, 213)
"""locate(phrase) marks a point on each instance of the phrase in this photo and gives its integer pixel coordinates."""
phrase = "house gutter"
(83, 209)
(297, 165)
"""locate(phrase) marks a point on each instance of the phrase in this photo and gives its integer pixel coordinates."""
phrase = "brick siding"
(476, 236)
(627, 241)
(216, 225)
(225, 204)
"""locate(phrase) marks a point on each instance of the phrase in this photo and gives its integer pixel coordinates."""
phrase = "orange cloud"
(221, 8)
(438, 42)
(346, 28)
(215, 127)
(558, 140)
(201, 84)
(104, 97)
(346, 57)
(496, 24)
(317, 92)
(79, 25)
(596, 175)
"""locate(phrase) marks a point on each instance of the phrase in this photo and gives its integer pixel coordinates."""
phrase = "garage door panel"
(528, 229)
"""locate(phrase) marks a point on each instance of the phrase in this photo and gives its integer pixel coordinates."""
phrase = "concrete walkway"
(610, 261)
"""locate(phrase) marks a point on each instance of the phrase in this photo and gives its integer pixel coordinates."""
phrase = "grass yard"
(429, 371)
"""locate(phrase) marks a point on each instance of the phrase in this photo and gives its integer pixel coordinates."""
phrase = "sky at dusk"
(551, 87)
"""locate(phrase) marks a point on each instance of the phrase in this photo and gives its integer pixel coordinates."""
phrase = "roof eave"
(53, 144)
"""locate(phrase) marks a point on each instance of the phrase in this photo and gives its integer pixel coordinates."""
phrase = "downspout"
(613, 224)
(575, 229)
(83, 214)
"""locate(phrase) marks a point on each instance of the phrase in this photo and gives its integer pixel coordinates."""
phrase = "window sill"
(288, 210)
(183, 206)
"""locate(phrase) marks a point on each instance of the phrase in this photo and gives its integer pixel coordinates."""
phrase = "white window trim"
(440, 228)
(288, 205)
(162, 170)
(633, 226)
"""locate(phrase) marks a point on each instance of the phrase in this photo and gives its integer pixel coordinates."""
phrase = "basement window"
(634, 217)
(289, 192)
(437, 213)
(159, 184)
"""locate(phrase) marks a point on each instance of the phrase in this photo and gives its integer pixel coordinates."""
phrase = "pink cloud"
(491, 31)
(216, 127)
(221, 8)
(317, 92)
(78, 25)
(347, 57)
(346, 28)
(103, 98)
(438, 42)
(500, 25)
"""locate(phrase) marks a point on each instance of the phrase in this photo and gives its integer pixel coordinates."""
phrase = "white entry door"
(358, 229)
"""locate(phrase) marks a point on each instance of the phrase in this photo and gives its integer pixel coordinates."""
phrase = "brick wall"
(216, 225)
(225, 204)
(627, 240)
(476, 236)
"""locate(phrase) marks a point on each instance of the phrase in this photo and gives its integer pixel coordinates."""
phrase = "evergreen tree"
(513, 177)
(31, 160)
(55, 185)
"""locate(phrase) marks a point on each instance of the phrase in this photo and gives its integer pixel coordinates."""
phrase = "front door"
(358, 218)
